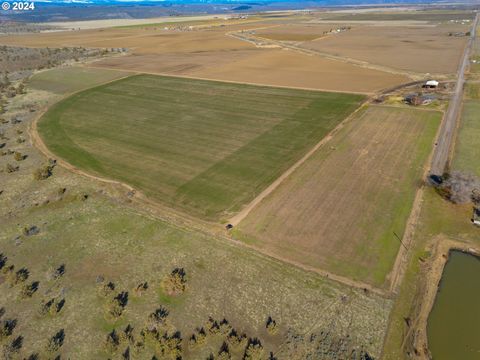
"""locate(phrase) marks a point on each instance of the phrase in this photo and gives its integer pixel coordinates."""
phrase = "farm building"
(431, 84)
(419, 99)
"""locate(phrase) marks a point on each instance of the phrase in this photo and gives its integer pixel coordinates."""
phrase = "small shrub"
(127, 335)
(59, 272)
(212, 326)
(126, 354)
(52, 306)
(235, 340)
(141, 288)
(7, 327)
(56, 341)
(14, 347)
(112, 341)
(107, 289)
(254, 350)
(18, 277)
(29, 290)
(225, 327)
(3, 261)
(224, 353)
(11, 168)
(169, 346)
(138, 347)
(116, 306)
(59, 305)
(175, 283)
(46, 306)
(31, 230)
(201, 336)
(20, 89)
(158, 318)
(43, 172)
(271, 326)
(192, 341)
(18, 156)
(271, 356)
(8, 270)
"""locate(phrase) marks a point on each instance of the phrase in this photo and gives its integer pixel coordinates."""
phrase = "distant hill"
(75, 10)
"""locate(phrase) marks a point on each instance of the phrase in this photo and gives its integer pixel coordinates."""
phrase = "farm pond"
(454, 322)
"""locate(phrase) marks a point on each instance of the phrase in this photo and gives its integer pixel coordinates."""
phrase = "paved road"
(444, 144)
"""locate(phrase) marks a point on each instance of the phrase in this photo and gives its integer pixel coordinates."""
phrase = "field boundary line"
(138, 72)
(242, 214)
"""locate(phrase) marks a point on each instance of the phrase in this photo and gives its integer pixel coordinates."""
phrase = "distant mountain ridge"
(78, 10)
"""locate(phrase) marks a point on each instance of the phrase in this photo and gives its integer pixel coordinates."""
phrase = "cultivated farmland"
(69, 79)
(212, 54)
(382, 45)
(294, 32)
(204, 147)
(466, 151)
(340, 209)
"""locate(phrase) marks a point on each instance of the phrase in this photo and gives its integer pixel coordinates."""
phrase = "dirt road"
(441, 156)
(256, 40)
(235, 220)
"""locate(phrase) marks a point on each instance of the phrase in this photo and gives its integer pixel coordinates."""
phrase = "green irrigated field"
(205, 147)
(467, 152)
(70, 79)
(341, 209)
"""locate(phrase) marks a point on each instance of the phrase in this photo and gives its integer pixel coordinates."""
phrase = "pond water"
(454, 323)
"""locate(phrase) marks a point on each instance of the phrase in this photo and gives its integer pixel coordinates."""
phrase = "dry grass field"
(423, 49)
(339, 210)
(205, 147)
(211, 54)
(100, 239)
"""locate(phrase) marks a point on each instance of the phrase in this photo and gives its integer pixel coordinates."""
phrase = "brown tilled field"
(340, 209)
(294, 32)
(425, 49)
(270, 67)
(212, 54)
